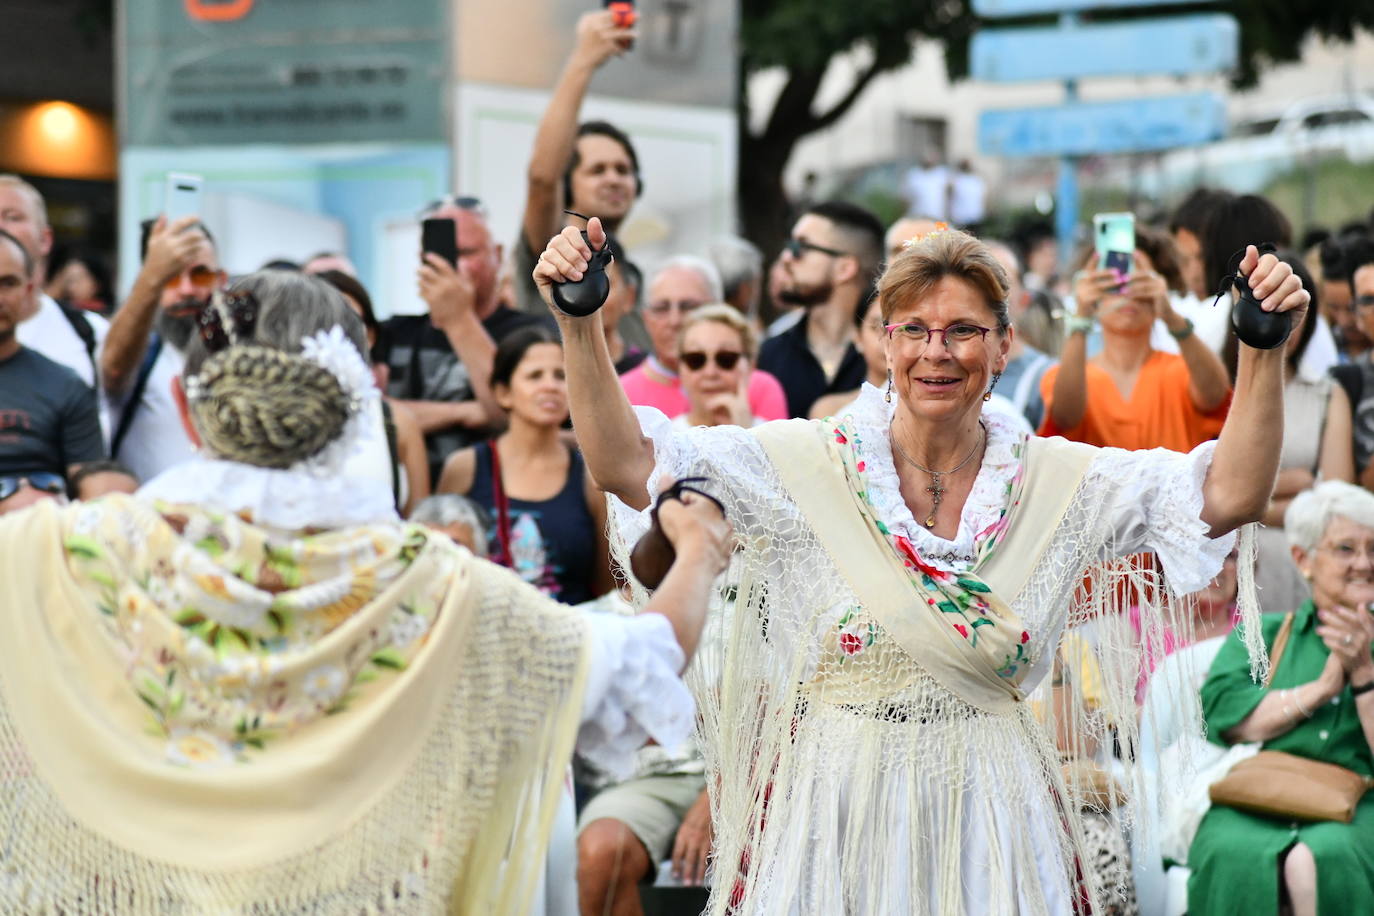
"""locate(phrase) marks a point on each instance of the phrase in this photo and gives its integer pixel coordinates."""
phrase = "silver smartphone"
(182, 197)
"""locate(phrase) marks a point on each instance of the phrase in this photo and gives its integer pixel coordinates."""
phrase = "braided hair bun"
(259, 400)
(267, 407)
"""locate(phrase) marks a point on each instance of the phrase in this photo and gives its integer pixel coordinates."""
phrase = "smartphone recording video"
(439, 235)
(182, 196)
(1114, 238)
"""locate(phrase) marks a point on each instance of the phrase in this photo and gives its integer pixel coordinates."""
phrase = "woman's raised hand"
(566, 257)
(1147, 287)
(1090, 287)
(1274, 284)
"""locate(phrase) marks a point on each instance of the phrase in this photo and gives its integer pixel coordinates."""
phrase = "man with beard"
(146, 346)
(828, 265)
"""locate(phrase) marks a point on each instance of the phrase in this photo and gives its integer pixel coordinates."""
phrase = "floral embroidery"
(964, 595)
(856, 634)
(220, 626)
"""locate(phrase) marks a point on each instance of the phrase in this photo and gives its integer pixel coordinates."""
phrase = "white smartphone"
(182, 197)
(1114, 238)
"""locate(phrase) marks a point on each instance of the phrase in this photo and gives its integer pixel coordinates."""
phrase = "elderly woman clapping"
(1319, 705)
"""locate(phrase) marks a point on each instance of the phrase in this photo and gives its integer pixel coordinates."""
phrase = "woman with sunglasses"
(715, 361)
(902, 580)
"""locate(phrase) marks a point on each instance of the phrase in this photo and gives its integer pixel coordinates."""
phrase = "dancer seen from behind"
(905, 574)
(251, 688)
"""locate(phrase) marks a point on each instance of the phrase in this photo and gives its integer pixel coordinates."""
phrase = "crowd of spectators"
(476, 413)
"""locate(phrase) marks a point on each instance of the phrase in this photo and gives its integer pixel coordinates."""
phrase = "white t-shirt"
(156, 440)
(927, 192)
(50, 333)
(967, 197)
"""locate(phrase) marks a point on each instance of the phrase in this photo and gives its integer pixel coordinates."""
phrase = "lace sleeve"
(736, 469)
(633, 691)
(1154, 500)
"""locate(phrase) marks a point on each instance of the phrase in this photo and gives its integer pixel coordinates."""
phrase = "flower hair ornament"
(308, 411)
(940, 227)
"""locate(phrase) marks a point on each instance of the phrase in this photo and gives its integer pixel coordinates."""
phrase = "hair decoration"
(211, 327)
(332, 351)
(940, 226)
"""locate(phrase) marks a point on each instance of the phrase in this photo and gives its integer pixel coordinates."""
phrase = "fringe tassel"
(1247, 600)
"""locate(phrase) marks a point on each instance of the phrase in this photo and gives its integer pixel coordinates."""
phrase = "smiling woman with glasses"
(903, 575)
(715, 360)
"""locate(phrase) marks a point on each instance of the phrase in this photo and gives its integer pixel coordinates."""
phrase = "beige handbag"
(1285, 785)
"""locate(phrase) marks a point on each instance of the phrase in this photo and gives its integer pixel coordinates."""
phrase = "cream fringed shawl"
(202, 716)
(871, 718)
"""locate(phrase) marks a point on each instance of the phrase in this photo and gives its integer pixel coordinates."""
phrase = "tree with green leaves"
(801, 37)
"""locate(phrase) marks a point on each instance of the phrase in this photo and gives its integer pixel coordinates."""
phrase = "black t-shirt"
(423, 367)
(48, 417)
(789, 359)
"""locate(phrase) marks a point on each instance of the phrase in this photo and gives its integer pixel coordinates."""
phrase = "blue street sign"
(992, 9)
(1176, 45)
(1087, 128)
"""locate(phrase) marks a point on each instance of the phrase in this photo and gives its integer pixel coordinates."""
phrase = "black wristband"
(1363, 688)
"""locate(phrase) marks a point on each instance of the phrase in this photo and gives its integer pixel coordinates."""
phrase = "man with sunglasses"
(48, 420)
(828, 265)
(146, 346)
(68, 335)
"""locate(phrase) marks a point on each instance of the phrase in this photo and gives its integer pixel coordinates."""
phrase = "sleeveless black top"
(553, 541)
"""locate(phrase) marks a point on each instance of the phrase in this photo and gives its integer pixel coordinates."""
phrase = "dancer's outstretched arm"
(618, 455)
(1246, 461)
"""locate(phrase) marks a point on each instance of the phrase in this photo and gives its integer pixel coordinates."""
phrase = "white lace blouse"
(1149, 500)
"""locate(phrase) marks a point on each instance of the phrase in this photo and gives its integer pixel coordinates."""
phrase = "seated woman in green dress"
(1320, 705)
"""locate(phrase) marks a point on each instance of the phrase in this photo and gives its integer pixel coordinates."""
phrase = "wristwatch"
(1077, 324)
(1184, 332)
(1363, 688)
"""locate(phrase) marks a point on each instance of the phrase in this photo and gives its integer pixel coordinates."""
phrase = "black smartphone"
(439, 234)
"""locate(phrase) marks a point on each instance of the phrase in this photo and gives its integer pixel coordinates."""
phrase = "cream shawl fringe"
(900, 779)
(433, 795)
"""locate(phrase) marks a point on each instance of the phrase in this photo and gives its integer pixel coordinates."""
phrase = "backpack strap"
(77, 319)
(393, 450)
(126, 416)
